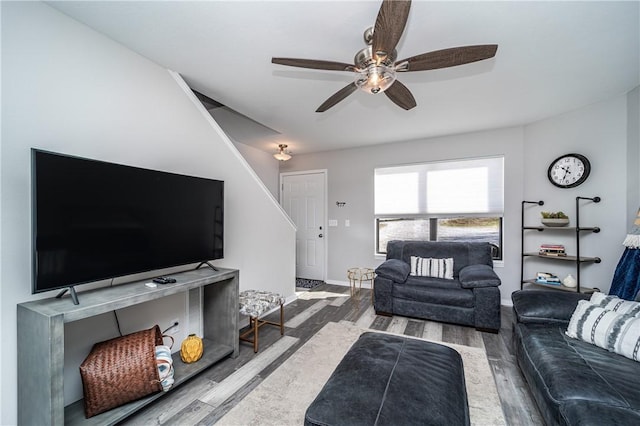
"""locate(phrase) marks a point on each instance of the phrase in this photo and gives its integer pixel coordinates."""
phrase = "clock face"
(569, 171)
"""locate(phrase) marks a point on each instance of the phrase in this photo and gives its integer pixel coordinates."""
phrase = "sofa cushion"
(606, 329)
(432, 282)
(430, 267)
(394, 269)
(435, 291)
(473, 276)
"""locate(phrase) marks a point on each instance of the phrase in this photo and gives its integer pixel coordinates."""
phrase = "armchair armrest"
(545, 306)
(474, 276)
(394, 269)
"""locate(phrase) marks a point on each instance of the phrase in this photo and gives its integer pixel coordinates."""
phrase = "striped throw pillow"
(606, 329)
(429, 267)
(614, 303)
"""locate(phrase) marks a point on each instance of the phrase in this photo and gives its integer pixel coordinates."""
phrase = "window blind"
(473, 186)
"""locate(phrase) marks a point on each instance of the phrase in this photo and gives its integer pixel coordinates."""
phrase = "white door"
(303, 198)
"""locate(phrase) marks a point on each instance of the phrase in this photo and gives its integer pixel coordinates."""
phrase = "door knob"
(320, 235)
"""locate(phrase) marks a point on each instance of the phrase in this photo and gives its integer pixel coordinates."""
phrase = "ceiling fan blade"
(390, 24)
(337, 97)
(447, 57)
(313, 64)
(400, 95)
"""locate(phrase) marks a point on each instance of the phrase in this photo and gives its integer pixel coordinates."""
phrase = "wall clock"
(569, 170)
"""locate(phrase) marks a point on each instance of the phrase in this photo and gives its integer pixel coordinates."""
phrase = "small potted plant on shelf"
(554, 219)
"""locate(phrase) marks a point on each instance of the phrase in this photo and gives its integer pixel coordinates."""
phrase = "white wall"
(600, 133)
(633, 154)
(67, 88)
(350, 179)
(263, 163)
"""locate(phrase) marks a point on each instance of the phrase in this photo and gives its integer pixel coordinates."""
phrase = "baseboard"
(336, 282)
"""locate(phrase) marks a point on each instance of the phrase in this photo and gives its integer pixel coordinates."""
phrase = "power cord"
(115, 314)
(175, 324)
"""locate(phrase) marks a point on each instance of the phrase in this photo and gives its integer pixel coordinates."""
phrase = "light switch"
(333, 222)
(347, 222)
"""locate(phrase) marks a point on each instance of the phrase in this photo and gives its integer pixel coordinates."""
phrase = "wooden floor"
(206, 398)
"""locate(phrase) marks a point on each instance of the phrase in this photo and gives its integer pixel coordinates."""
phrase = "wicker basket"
(120, 370)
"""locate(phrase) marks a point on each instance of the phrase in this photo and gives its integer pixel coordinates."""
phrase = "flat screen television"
(93, 220)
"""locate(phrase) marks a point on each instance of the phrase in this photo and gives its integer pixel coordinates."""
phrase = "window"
(458, 200)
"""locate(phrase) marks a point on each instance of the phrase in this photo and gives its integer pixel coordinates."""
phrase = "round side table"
(357, 275)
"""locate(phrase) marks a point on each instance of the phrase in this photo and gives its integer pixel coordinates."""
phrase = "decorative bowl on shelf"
(555, 222)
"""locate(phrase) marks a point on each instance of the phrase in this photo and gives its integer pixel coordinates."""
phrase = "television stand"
(211, 296)
(72, 291)
(208, 264)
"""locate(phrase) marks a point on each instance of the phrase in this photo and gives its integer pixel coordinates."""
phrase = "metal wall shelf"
(576, 258)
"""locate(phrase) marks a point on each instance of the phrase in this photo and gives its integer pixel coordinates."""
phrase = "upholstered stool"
(255, 303)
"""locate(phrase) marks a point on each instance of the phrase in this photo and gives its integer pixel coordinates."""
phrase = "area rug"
(307, 283)
(283, 397)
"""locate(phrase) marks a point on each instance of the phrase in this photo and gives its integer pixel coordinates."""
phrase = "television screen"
(94, 220)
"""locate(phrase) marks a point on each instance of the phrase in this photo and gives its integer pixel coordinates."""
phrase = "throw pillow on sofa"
(614, 303)
(430, 267)
(606, 329)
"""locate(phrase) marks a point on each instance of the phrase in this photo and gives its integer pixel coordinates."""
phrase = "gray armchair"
(471, 297)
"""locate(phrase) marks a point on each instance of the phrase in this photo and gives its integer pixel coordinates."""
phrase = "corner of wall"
(189, 93)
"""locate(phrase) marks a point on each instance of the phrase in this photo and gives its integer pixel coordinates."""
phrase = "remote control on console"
(164, 280)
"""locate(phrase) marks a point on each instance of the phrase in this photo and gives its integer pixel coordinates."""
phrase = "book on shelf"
(552, 250)
(548, 282)
(547, 278)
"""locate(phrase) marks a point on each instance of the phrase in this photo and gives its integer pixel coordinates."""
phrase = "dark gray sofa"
(573, 382)
(472, 298)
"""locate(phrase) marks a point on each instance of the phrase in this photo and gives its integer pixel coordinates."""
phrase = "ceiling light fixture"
(374, 75)
(282, 155)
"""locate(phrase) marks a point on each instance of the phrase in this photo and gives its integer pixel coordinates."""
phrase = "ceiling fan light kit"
(375, 65)
(373, 76)
(375, 79)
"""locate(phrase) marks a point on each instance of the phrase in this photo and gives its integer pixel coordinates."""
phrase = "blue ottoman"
(392, 380)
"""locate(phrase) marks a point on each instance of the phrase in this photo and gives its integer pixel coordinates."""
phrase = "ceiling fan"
(376, 66)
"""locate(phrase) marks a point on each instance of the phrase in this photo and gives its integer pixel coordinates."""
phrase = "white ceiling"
(552, 57)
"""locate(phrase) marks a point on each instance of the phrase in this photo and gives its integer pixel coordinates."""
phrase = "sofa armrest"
(394, 269)
(487, 308)
(545, 306)
(474, 276)
(383, 295)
